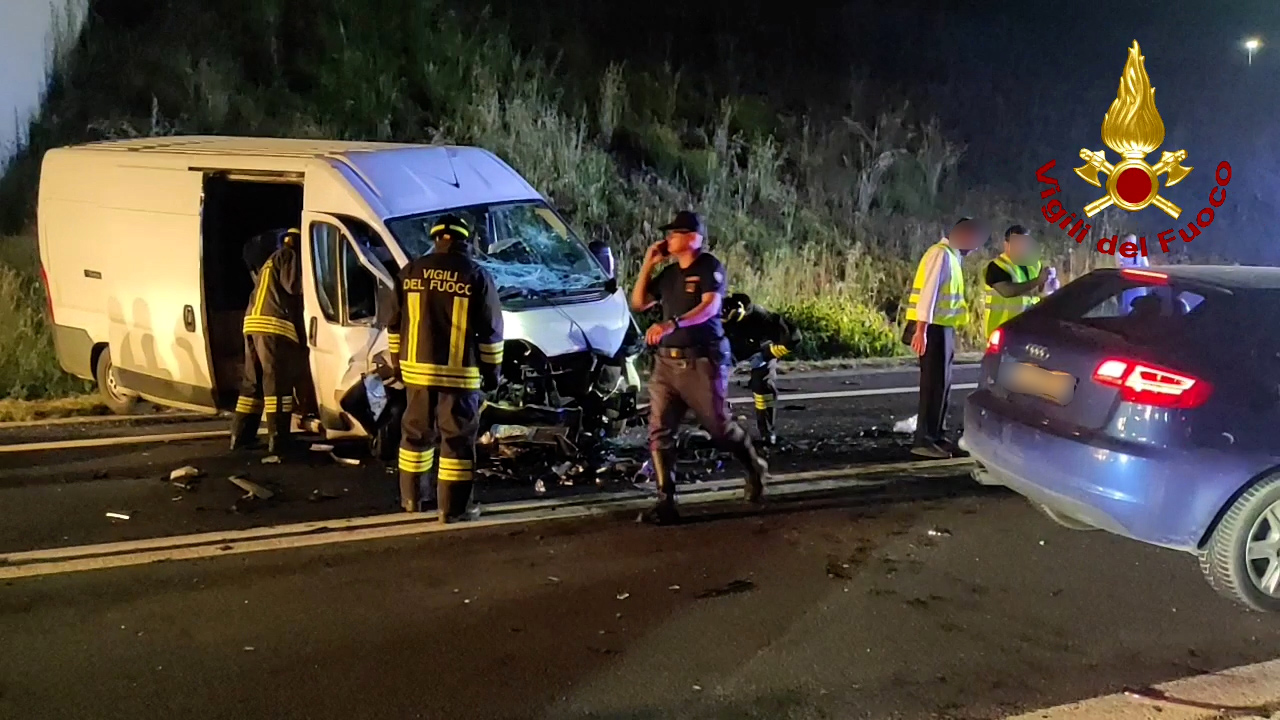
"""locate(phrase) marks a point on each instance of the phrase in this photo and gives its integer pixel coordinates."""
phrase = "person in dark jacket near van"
(762, 338)
(445, 332)
(272, 350)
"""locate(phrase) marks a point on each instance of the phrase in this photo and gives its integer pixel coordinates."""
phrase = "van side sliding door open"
(343, 283)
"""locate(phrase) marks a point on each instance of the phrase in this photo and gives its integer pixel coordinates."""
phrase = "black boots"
(765, 420)
(455, 503)
(244, 431)
(757, 470)
(409, 491)
(279, 433)
(664, 474)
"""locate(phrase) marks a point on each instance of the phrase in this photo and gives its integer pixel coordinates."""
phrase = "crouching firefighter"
(446, 335)
(762, 338)
(272, 353)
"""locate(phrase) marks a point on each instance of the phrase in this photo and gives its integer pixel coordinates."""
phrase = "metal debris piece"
(321, 447)
(734, 588)
(540, 487)
(349, 462)
(118, 516)
(251, 488)
(271, 460)
(184, 473)
(674, 588)
(939, 532)
(624, 595)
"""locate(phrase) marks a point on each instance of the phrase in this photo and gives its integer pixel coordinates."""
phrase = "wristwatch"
(675, 323)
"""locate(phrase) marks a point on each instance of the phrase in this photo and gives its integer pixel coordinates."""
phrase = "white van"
(141, 245)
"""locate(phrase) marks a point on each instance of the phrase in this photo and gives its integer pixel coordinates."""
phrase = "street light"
(1252, 44)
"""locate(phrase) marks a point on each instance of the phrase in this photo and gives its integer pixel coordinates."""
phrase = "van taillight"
(1147, 384)
(48, 294)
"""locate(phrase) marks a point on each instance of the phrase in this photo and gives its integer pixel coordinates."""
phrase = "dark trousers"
(764, 391)
(450, 419)
(271, 368)
(935, 381)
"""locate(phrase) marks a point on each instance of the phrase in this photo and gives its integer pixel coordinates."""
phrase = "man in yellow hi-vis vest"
(935, 309)
(1014, 279)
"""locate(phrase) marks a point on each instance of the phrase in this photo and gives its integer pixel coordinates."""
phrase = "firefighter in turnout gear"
(446, 334)
(272, 353)
(762, 338)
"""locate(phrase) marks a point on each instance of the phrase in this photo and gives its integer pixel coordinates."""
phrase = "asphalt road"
(925, 598)
(61, 497)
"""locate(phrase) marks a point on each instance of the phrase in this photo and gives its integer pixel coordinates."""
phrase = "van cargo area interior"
(235, 211)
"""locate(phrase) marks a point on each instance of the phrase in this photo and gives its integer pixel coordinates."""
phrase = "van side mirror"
(604, 255)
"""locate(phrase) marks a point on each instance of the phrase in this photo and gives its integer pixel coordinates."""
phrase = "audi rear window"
(1142, 311)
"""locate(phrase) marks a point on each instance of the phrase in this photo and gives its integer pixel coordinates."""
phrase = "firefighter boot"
(426, 492)
(765, 420)
(279, 433)
(757, 470)
(244, 431)
(664, 475)
(454, 499)
(409, 491)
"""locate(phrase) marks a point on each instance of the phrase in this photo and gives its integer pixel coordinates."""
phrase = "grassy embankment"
(822, 219)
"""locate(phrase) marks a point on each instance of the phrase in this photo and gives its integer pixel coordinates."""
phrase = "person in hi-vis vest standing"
(936, 308)
(1015, 279)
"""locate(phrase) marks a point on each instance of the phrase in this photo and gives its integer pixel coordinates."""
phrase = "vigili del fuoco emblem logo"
(1133, 129)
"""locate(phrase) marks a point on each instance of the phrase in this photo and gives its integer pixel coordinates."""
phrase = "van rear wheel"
(116, 398)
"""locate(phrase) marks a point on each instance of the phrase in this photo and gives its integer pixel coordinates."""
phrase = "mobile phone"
(663, 249)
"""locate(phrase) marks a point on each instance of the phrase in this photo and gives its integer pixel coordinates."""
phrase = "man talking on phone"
(691, 371)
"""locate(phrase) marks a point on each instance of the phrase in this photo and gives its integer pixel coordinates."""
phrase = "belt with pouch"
(685, 353)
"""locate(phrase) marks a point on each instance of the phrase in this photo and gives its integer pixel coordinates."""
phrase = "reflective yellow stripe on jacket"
(256, 321)
(429, 375)
(1000, 309)
(950, 308)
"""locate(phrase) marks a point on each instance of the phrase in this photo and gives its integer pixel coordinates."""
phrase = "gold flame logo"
(1132, 127)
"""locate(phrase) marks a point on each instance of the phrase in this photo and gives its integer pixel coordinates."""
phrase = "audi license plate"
(1058, 387)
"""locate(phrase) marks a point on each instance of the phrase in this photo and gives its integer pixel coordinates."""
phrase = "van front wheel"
(116, 398)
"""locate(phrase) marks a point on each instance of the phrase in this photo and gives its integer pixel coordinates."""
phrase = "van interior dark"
(235, 212)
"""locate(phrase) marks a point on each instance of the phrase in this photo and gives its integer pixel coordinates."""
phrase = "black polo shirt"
(680, 290)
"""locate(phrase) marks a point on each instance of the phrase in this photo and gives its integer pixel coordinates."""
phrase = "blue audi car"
(1146, 403)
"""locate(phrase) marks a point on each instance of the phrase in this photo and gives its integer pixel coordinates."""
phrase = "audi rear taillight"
(995, 343)
(1147, 384)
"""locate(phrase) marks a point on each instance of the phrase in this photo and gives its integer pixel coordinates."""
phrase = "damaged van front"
(571, 342)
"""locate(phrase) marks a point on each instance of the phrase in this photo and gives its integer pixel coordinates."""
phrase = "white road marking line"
(1246, 692)
(139, 552)
(851, 393)
(212, 434)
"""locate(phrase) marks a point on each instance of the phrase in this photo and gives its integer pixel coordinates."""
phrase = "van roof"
(396, 178)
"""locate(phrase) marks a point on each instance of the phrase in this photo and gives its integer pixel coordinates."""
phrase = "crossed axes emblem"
(1132, 184)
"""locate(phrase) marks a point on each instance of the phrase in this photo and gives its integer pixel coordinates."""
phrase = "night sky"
(1018, 82)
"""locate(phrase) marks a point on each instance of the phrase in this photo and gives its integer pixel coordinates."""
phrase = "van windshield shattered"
(525, 246)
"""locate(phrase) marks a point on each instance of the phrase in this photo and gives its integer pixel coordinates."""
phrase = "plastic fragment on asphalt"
(321, 447)
(252, 488)
(906, 427)
(553, 578)
(624, 595)
(271, 460)
(185, 472)
(942, 532)
(349, 462)
(117, 516)
(674, 588)
(248, 648)
(697, 688)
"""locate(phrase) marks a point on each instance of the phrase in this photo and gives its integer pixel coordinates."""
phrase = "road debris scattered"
(349, 462)
(624, 595)
(118, 515)
(836, 570)
(319, 495)
(939, 532)
(185, 473)
(321, 447)
(553, 579)
(251, 488)
(906, 427)
(674, 588)
(271, 460)
(734, 588)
